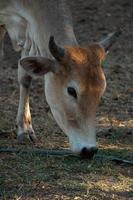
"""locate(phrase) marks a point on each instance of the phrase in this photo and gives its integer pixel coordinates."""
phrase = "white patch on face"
(78, 141)
(54, 104)
(80, 137)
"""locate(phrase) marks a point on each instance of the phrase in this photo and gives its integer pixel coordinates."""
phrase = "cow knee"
(25, 81)
(23, 78)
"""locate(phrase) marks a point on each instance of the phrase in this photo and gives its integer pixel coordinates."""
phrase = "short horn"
(56, 51)
(110, 40)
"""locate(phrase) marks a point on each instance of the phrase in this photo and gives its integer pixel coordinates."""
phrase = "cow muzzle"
(88, 153)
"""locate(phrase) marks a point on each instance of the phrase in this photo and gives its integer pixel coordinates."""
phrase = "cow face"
(74, 84)
(74, 92)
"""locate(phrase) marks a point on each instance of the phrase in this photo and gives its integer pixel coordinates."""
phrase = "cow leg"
(24, 121)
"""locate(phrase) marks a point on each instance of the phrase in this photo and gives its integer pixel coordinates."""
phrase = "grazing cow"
(74, 79)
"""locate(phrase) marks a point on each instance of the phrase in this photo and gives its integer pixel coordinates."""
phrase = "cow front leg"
(24, 121)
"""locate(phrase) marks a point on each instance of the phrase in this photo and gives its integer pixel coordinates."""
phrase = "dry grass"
(33, 176)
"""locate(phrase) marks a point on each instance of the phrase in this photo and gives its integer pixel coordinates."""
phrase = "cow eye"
(71, 91)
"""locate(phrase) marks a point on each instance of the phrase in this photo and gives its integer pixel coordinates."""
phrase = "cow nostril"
(88, 153)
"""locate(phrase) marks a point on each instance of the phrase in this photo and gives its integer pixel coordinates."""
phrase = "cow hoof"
(28, 135)
(32, 136)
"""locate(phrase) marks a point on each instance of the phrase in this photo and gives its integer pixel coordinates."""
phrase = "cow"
(42, 31)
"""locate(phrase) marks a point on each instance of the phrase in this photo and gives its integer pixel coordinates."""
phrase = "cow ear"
(37, 66)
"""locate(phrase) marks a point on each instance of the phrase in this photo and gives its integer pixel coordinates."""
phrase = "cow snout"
(88, 153)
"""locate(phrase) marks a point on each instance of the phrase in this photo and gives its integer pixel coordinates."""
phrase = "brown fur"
(83, 65)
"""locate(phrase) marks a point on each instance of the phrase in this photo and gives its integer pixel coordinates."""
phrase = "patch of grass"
(31, 176)
(23, 175)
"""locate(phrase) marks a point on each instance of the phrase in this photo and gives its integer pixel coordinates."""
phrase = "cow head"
(75, 82)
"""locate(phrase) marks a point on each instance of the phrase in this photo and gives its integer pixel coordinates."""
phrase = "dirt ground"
(92, 20)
